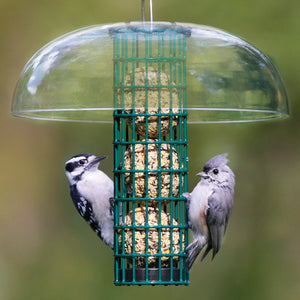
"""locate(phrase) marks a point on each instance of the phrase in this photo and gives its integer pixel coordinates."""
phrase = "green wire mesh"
(150, 156)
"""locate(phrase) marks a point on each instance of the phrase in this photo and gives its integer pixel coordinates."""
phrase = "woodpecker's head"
(76, 166)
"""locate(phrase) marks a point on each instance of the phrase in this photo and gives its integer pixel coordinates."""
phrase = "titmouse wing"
(217, 218)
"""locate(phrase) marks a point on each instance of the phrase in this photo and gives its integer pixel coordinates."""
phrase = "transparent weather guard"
(228, 79)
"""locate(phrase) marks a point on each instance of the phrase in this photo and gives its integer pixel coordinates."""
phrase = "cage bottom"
(155, 276)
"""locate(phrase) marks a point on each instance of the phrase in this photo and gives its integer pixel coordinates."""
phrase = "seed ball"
(154, 164)
(153, 237)
(151, 96)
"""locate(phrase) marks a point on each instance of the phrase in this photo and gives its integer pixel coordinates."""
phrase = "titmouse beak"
(203, 175)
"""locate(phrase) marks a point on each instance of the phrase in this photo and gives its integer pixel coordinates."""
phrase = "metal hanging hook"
(150, 9)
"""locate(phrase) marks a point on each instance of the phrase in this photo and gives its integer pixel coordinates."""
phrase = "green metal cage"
(150, 156)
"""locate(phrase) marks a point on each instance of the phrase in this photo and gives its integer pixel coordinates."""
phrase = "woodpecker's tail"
(193, 250)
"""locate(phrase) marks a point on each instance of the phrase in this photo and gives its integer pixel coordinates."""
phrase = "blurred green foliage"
(46, 249)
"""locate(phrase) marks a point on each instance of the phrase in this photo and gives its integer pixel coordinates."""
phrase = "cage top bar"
(228, 79)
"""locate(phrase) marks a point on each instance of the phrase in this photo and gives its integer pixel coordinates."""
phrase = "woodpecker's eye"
(215, 171)
(82, 162)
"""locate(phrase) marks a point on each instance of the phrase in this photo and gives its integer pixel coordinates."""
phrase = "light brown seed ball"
(152, 97)
(139, 163)
(153, 237)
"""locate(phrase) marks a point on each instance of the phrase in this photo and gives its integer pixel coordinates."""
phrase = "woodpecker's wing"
(217, 218)
(84, 207)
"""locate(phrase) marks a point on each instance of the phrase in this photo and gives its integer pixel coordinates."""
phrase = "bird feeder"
(150, 79)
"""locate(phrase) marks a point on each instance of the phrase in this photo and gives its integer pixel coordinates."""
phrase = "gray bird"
(209, 206)
(92, 192)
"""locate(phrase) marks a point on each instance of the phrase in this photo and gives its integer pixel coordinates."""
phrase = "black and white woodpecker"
(92, 192)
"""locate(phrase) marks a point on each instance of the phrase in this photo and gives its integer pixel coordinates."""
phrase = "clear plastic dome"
(228, 79)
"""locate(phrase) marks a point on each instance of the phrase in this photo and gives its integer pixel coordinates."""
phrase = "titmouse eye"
(215, 171)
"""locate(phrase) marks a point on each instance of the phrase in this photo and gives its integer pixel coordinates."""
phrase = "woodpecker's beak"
(95, 161)
(203, 175)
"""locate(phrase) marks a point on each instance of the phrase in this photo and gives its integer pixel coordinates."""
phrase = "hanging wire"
(150, 9)
(143, 10)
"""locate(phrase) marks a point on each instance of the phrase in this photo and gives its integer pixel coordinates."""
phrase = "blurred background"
(48, 252)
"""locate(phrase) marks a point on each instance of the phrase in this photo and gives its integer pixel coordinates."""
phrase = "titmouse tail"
(208, 248)
(193, 250)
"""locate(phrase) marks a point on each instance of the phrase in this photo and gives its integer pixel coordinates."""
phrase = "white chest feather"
(198, 206)
(97, 188)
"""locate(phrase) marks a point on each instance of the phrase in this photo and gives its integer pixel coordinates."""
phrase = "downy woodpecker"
(92, 192)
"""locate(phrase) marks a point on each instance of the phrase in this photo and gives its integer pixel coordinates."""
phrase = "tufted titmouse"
(209, 207)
